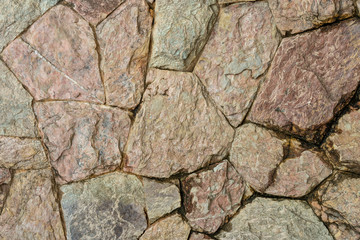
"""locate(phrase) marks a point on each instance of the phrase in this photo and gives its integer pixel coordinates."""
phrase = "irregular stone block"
(82, 139)
(106, 207)
(177, 129)
(239, 51)
(199, 236)
(22, 154)
(31, 210)
(311, 78)
(337, 204)
(172, 227)
(16, 16)
(5, 178)
(124, 39)
(212, 196)
(16, 115)
(274, 219)
(95, 11)
(180, 32)
(256, 153)
(60, 44)
(161, 198)
(300, 15)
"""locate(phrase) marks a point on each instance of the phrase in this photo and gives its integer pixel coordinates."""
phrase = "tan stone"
(199, 236)
(233, 1)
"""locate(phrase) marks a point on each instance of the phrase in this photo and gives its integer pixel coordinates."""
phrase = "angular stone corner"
(180, 32)
(266, 218)
(124, 39)
(312, 77)
(82, 138)
(239, 51)
(106, 207)
(212, 196)
(177, 129)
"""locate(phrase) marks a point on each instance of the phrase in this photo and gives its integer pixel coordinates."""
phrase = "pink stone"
(212, 196)
(82, 139)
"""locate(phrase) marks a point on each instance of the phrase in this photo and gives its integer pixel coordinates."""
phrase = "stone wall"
(179, 119)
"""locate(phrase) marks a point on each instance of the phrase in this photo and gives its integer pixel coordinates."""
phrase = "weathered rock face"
(337, 204)
(16, 115)
(31, 211)
(199, 236)
(124, 45)
(256, 153)
(59, 59)
(275, 219)
(5, 178)
(95, 11)
(211, 196)
(161, 198)
(312, 76)
(239, 51)
(357, 4)
(180, 32)
(82, 139)
(344, 147)
(177, 128)
(172, 227)
(299, 15)
(107, 207)
(233, 1)
(16, 16)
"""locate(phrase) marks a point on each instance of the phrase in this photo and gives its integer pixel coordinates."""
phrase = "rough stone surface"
(238, 52)
(172, 227)
(95, 11)
(161, 198)
(82, 139)
(177, 128)
(107, 207)
(199, 236)
(312, 76)
(180, 32)
(256, 153)
(16, 115)
(60, 45)
(17, 15)
(233, 1)
(211, 196)
(22, 154)
(294, 16)
(344, 146)
(5, 178)
(275, 219)
(124, 45)
(357, 4)
(337, 204)
(31, 211)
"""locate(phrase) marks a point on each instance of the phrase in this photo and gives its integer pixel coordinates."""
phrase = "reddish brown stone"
(211, 196)
(199, 236)
(82, 139)
(312, 77)
(238, 52)
(59, 45)
(124, 44)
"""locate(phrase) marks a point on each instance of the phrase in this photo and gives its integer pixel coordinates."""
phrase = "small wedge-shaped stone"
(311, 78)
(199, 236)
(161, 198)
(337, 203)
(95, 11)
(344, 147)
(124, 39)
(22, 154)
(17, 15)
(31, 210)
(106, 207)
(82, 139)
(272, 219)
(177, 129)
(172, 227)
(180, 32)
(16, 115)
(211, 196)
(238, 52)
(256, 153)
(294, 16)
(59, 45)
